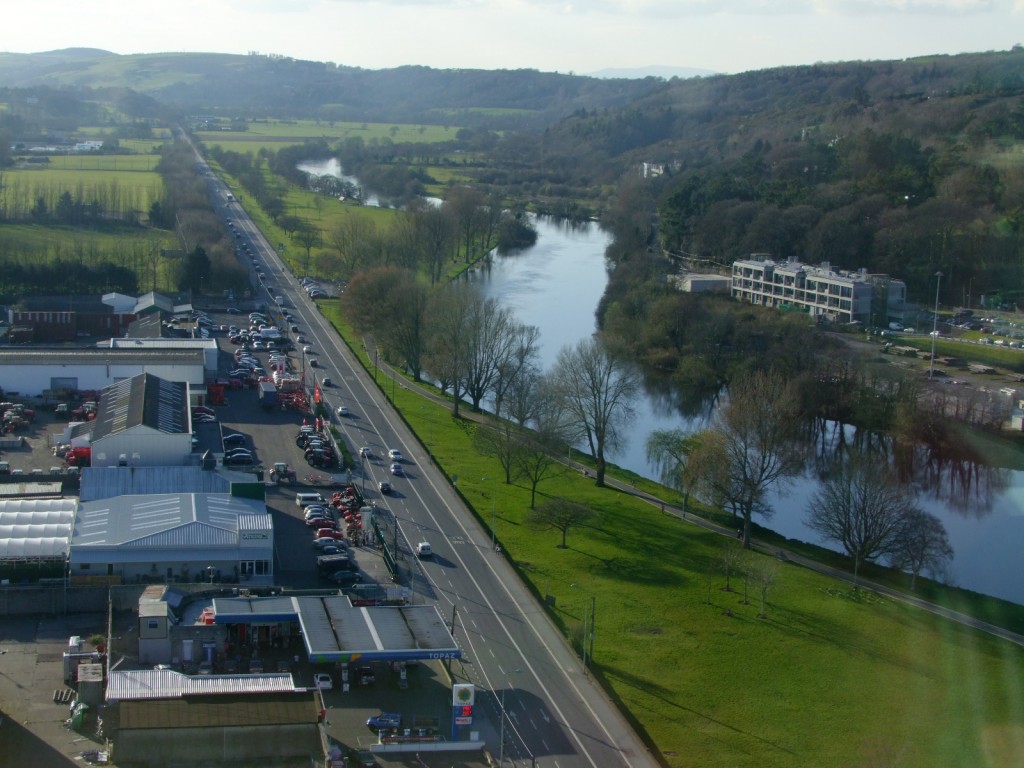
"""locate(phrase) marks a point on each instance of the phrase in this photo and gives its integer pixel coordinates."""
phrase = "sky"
(567, 36)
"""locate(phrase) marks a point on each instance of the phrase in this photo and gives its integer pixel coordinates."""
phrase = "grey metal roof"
(143, 400)
(163, 520)
(108, 482)
(58, 356)
(336, 631)
(134, 685)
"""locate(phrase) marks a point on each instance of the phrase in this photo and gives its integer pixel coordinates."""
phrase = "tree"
(762, 571)
(492, 340)
(668, 451)
(731, 558)
(450, 334)
(306, 236)
(537, 451)
(862, 507)
(921, 543)
(597, 392)
(560, 514)
(750, 448)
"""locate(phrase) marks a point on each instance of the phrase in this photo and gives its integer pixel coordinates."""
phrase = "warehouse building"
(176, 537)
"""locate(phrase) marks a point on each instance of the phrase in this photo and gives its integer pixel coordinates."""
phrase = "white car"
(395, 455)
(342, 410)
(323, 681)
(307, 349)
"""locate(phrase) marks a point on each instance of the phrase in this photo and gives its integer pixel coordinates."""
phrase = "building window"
(153, 624)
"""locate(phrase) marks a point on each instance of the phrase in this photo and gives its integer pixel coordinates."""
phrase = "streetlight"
(484, 479)
(588, 637)
(935, 324)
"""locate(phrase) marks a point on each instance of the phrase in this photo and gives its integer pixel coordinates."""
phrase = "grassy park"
(826, 676)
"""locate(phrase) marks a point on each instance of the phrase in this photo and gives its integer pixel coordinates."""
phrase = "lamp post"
(935, 324)
(493, 503)
(588, 628)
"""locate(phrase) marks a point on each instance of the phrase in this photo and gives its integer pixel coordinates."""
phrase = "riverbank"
(690, 654)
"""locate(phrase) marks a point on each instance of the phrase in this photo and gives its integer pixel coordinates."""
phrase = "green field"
(830, 677)
(274, 133)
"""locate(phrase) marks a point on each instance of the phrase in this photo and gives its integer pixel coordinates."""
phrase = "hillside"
(261, 85)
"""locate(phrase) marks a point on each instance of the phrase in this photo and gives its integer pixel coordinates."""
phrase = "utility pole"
(935, 324)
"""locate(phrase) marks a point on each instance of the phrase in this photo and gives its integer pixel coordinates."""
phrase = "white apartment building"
(823, 292)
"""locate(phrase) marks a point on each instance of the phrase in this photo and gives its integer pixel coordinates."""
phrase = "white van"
(306, 499)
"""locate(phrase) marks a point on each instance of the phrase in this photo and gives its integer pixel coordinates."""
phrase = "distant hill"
(230, 84)
(663, 72)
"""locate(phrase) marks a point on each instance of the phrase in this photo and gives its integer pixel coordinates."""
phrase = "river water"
(556, 285)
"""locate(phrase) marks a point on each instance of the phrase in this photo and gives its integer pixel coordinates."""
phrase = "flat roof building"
(823, 292)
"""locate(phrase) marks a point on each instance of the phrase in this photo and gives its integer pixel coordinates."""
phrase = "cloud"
(689, 8)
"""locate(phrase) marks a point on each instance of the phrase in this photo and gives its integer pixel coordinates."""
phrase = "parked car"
(329, 533)
(345, 578)
(323, 681)
(234, 438)
(384, 720)
(240, 459)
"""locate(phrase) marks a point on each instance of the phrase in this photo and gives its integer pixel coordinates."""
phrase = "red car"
(320, 522)
(329, 533)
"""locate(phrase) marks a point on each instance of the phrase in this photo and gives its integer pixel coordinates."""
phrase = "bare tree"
(518, 365)
(862, 508)
(354, 239)
(763, 571)
(597, 391)
(750, 448)
(922, 543)
(492, 336)
(537, 453)
(560, 514)
(450, 337)
(730, 559)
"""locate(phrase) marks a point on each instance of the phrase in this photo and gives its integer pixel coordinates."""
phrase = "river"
(556, 285)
